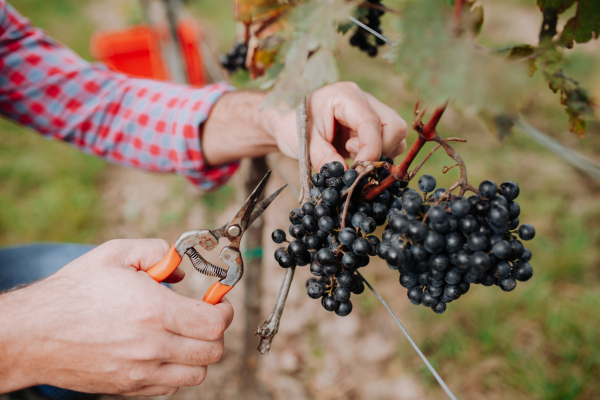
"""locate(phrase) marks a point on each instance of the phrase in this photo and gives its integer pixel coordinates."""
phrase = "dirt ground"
(316, 355)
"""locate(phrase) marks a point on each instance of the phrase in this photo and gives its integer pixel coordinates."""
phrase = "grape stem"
(412, 174)
(270, 327)
(370, 168)
(427, 133)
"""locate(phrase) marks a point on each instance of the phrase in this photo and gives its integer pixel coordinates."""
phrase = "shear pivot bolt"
(234, 231)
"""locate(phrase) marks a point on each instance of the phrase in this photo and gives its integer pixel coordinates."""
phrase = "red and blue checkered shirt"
(138, 123)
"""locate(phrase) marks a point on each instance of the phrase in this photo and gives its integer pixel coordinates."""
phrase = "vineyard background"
(539, 342)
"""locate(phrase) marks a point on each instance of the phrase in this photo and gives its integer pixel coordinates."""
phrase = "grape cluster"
(335, 254)
(363, 39)
(440, 243)
(235, 59)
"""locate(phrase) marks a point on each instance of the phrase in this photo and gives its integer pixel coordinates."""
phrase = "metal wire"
(203, 266)
(379, 35)
(414, 345)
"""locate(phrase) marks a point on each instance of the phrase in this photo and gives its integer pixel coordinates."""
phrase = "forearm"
(15, 316)
(237, 128)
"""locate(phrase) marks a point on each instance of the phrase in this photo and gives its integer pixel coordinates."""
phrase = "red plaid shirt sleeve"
(138, 123)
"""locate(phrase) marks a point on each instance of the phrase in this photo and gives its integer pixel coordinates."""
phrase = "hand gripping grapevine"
(440, 242)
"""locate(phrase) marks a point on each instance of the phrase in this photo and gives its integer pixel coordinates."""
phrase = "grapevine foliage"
(293, 46)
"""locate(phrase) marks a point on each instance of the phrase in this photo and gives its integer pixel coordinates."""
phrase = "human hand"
(102, 325)
(343, 121)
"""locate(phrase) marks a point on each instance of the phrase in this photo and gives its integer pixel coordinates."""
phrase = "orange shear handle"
(165, 267)
(216, 292)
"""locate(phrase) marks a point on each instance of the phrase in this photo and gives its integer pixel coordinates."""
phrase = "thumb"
(323, 152)
(143, 254)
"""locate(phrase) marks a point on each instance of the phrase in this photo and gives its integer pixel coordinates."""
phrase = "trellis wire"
(379, 35)
(414, 345)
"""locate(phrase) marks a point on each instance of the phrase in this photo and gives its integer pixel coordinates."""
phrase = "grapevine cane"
(270, 327)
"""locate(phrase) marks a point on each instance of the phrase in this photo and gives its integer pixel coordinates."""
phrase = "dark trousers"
(25, 264)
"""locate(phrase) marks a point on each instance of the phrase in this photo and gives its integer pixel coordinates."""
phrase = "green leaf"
(585, 25)
(523, 51)
(437, 64)
(309, 61)
(559, 5)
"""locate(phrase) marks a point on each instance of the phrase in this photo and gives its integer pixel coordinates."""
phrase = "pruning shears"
(209, 239)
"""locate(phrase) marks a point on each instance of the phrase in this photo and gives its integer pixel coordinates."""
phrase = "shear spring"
(203, 266)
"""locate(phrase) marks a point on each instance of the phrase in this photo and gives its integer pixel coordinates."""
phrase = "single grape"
(487, 189)
(350, 260)
(439, 262)
(312, 242)
(464, 287)
(498, 215)
(321, 210)
(308, 208)
(435, 282)
(334, 183)
(349, 176)
(330, 197)
(526, 232)
(399, 223)
(286, 260)
(514, 210)
(526, 256)
(296, 216)
(522, 271)
(417, 231)
(414, 294)
(454, 242)
(326, 223)
(439, 308)
(427, 183)
(439, 192)
(330, 303)
(368, 225)
(347, 236)
(341, 293)
(502, 249)
(507, 284)
(344, 308)
(418, 252)
(441, 227)
(316, 269)
(480, 261)
(488, 280)
(318, 180)
(365, 208)
(510, 190)
(434, 242)
(278, 236)
(453, 292)
(296, 248)
(315, 291)
(279, 252)
(437, 213)
(499, 200)
(335, 169)
(477, 241)
(517, 249)
(435, 291)
(411, 205)
(361, 247)
(428, 300)
(345, 279)
(325, 257)
(460, 206)
(453, 277)
(297, 231)
(468, 224)
(408, 279)
(437, 274)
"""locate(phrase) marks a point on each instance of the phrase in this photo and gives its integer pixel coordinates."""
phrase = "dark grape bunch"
(443, 244)
(363, 39)
(235, 59)
(440, 243)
